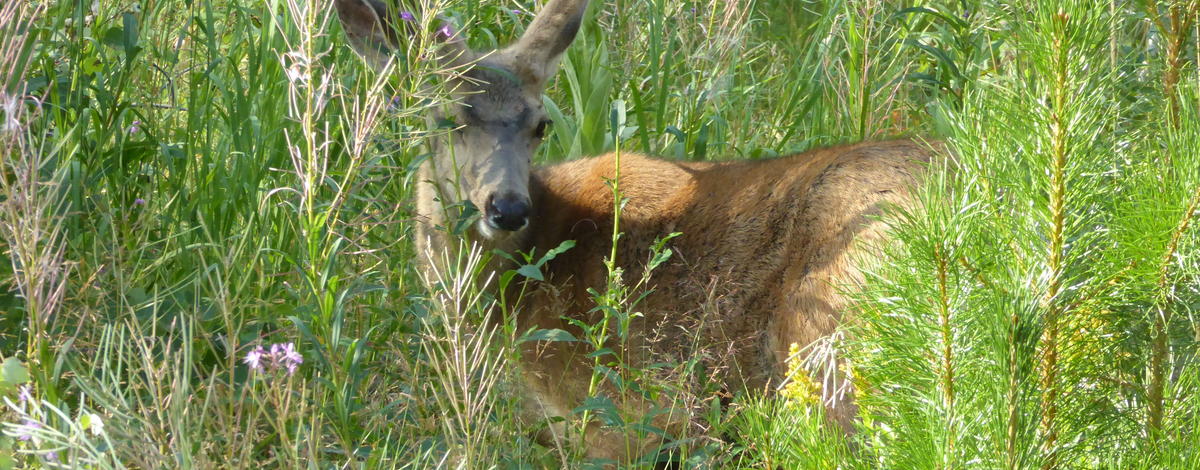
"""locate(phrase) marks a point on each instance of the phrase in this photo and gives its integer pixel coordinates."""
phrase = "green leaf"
(612, 376)
(604, 408)
(91, 65)
(617, 117)
(601, 352)
(506, 279)
(114, 37)
(504, 254)
(660, 258)
(558, 250)
(531, 271)
(130, 36)
(14, 371)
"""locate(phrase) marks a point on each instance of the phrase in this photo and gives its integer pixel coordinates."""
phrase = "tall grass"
(184, 182)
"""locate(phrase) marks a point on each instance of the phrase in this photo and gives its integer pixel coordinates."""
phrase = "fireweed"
(280, 357)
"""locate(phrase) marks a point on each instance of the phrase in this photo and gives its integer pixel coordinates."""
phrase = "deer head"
(497, 115)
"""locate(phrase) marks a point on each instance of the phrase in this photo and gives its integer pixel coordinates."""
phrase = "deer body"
(765, 248)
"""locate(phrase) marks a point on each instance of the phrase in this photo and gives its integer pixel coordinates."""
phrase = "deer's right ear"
(546, 39)
(369, 29)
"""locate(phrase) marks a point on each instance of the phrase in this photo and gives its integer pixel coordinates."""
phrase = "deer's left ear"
(537, 53)
(368, 29)
(375, 31)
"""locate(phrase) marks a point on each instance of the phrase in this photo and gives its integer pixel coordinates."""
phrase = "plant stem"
(947, 355)
(1057, 207)
(1159, 347)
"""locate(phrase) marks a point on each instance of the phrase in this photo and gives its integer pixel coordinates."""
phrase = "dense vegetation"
(185, 182)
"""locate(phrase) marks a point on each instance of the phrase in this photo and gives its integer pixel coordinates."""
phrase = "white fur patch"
(486, 231)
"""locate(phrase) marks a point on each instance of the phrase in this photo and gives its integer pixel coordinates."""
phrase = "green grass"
(170, 199)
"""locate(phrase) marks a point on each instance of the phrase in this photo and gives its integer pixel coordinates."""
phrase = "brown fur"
(774, 236)
(765, 246)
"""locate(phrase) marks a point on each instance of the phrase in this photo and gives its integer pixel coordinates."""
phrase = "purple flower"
(407, 16)
(446, 31)
(286, 355)
(255, 357)
(279, 356)
(135, 127)
(25, 393)
(28, 433)
(139, 202)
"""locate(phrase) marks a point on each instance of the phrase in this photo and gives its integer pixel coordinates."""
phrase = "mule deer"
(765, 244)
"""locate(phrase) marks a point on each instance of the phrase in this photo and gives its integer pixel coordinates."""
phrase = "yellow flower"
(798, 386)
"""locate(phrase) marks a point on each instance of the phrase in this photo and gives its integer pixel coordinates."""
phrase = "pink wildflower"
(279, 356)
(255, 357)
(285, 355)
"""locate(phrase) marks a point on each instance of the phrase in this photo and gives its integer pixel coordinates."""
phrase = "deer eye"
(540, 130)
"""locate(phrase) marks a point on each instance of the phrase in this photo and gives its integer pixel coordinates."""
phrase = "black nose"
(507, 212)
